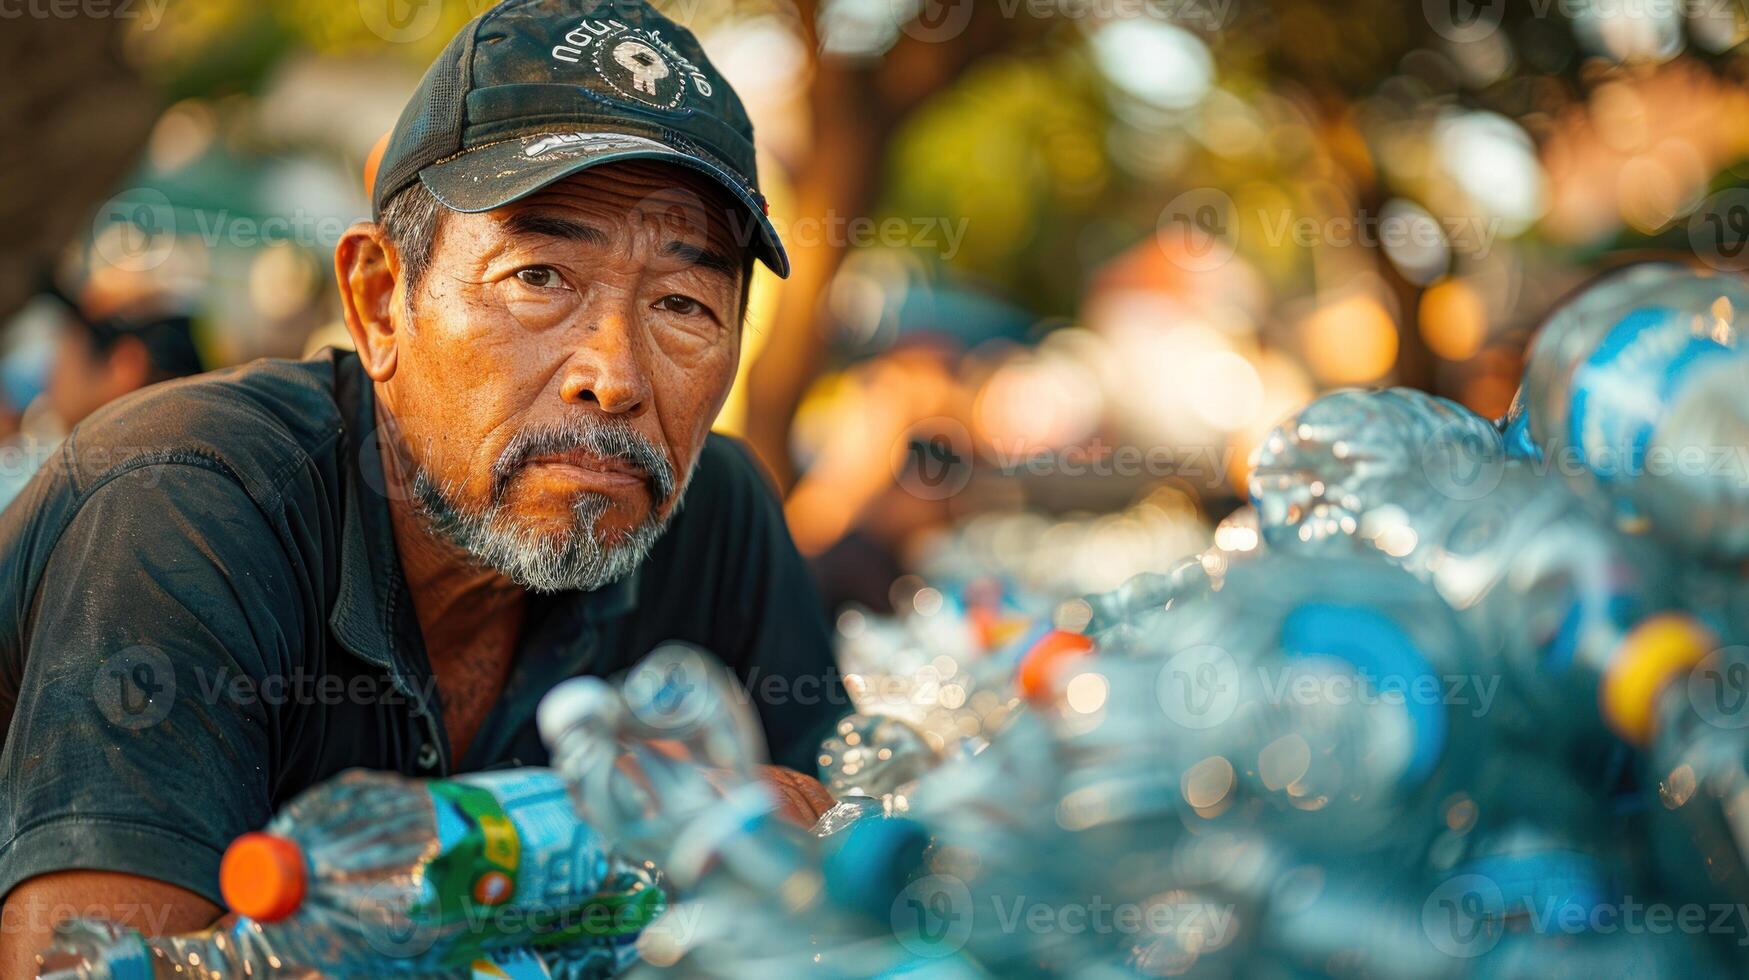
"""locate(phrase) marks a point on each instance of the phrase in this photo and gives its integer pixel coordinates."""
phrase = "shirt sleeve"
(135, 746)
(783, 650)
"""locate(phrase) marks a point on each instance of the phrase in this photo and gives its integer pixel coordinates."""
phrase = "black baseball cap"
(533, 91)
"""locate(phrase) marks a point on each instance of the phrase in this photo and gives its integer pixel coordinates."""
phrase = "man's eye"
(541, 277)
(683, 305)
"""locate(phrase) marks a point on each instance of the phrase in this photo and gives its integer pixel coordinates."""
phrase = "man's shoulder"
(257, 422)
(730, 476)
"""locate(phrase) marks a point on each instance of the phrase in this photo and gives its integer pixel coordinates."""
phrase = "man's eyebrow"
(553, 226)
(706, 258)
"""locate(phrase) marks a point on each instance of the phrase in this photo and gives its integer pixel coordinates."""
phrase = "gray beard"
(573, 559)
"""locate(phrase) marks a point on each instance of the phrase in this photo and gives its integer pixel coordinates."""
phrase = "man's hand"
(34, 907)
(802, 797)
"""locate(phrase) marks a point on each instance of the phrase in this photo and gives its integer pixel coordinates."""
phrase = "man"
(106, 348)
(226, 590)
(100, 358)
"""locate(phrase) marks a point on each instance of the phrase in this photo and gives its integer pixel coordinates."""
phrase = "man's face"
(81, 378)
(560, 365)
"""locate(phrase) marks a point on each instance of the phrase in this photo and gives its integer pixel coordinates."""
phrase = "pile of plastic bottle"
(1448, 698)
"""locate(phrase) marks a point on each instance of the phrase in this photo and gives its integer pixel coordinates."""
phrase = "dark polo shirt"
(202, 615)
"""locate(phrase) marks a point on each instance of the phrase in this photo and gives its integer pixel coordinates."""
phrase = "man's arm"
(130, 763)
(34, 908)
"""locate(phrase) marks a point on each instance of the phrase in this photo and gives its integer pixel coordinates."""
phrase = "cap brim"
(494, 175)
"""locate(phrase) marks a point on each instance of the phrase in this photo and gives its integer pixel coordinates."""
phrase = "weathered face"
(563, 358)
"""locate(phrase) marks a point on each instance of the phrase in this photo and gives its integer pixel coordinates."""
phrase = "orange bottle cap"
(1047, 656)
(262, 876)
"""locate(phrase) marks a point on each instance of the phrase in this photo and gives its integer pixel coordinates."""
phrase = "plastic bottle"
(95, 949)
(1325, 466)
(665, 764)
(1635, 388)
(1549, 594)
(1699, 768)
(874, 756)
(380, 874)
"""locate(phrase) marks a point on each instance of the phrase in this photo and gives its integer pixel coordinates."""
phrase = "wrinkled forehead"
(664, 202)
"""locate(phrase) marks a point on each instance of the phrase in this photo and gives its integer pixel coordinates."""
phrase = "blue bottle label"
(1623, 389)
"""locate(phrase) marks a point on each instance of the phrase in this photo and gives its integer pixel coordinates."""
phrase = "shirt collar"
(373, 602)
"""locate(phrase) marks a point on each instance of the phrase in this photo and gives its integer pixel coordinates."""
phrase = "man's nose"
(606, 370)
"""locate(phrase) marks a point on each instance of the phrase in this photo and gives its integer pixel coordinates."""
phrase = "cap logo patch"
(637, 64)
(646, 66)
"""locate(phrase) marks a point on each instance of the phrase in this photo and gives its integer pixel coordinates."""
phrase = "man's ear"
(367, 268)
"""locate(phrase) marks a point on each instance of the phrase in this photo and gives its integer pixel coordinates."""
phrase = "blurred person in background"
(107, 345)
(481, 502)
(101, 356)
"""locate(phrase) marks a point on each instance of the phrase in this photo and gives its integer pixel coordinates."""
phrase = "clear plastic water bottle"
(1548, 592)
(873, 755)
(95, 949)
(374, 873)
(665, 765)
(1699, 769)
(1325, 466)
(1312, 696)
(1636, 388)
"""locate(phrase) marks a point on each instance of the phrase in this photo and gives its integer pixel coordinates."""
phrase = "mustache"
(608, 439)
